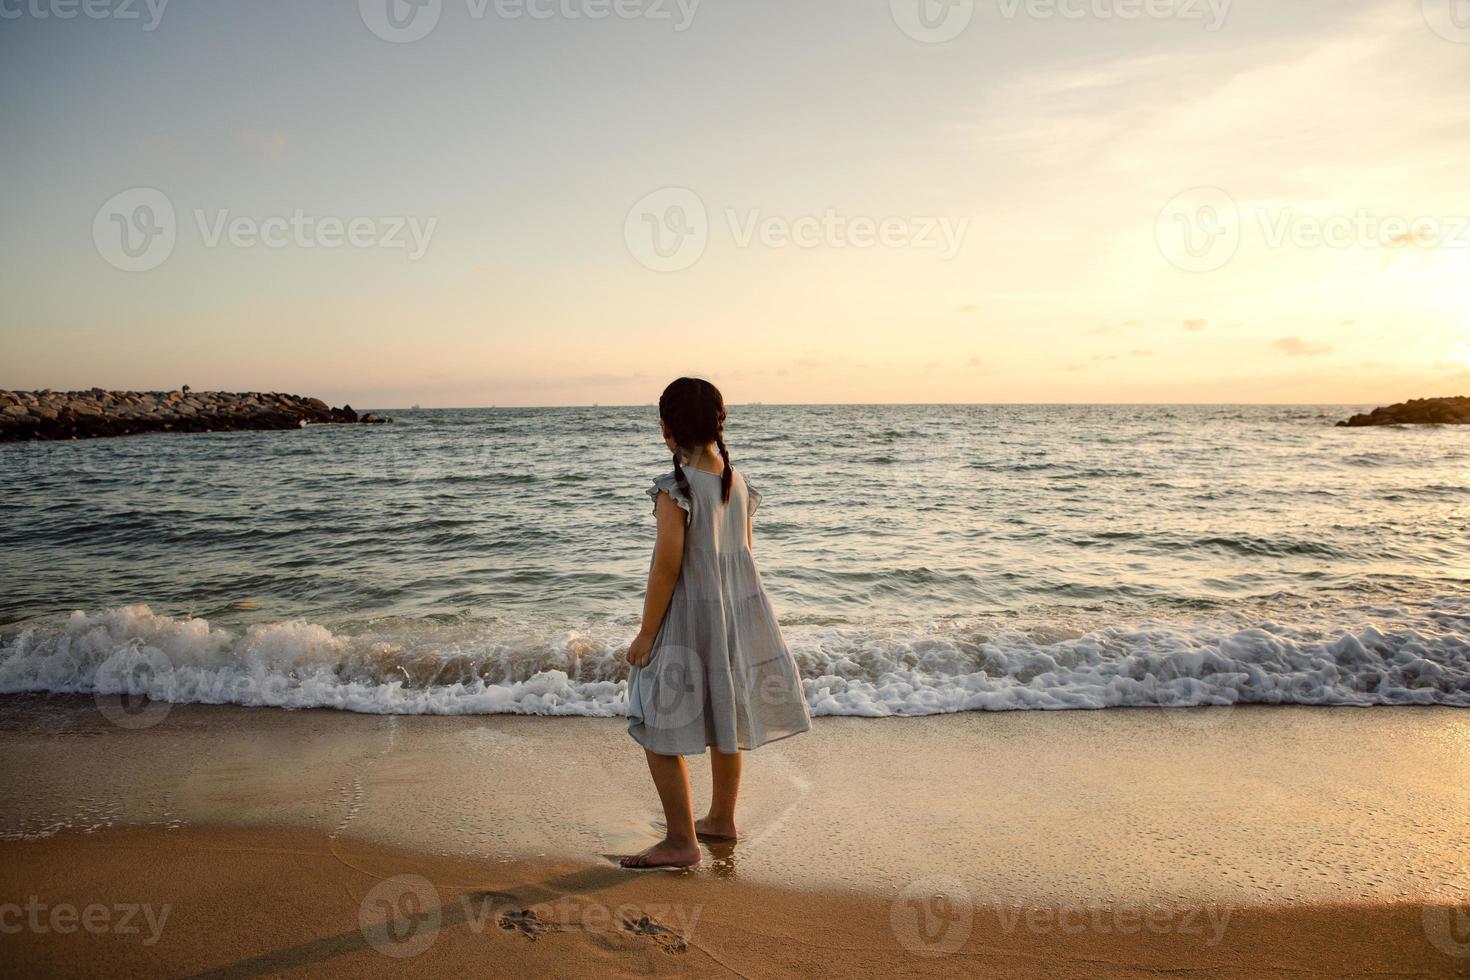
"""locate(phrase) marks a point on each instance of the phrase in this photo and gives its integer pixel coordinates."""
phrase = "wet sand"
(1253, 842)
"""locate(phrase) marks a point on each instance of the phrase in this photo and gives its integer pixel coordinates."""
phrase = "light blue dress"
(720, 674)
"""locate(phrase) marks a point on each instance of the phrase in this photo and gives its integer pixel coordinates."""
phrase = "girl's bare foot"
(664, 854)
(713, 828)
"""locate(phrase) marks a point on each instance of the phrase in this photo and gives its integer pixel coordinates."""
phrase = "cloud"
(1195, 326)
(976, 362)
(1100, 358)
(1415, 238)
(1217, 112)
(967, 308)
(1297, 347)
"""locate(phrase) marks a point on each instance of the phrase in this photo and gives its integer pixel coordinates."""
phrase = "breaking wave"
(1365, 655)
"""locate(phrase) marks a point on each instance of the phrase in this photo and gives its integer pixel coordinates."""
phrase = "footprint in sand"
(670, 940)
(528, 924)
(525, 923)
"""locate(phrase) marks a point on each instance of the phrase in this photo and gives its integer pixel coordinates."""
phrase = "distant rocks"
(1417, 411)
(96, 412)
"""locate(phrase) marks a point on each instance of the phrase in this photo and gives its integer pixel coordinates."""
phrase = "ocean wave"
(1259, 546)
(1362, 656)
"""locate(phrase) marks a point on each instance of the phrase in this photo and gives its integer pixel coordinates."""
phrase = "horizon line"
(464, 408)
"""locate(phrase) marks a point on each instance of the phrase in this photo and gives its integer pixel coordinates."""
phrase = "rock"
(1416, 411)
(95, 412)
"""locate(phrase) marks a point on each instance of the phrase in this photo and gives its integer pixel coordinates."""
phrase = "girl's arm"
(668, 559)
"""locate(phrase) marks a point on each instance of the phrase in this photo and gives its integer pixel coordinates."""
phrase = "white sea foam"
(1361, 656)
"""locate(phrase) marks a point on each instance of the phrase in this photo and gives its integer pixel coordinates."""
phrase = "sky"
(553, 202)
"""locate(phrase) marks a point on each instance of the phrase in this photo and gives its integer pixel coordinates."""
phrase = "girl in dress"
(709, 667)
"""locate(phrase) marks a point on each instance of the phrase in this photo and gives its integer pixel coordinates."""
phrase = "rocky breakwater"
(90, 414)
(1417, 411)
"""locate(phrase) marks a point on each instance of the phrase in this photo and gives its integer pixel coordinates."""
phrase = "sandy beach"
(241, 842)
(240, 903)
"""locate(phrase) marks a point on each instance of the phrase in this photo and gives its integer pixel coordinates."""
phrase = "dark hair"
(694, 412)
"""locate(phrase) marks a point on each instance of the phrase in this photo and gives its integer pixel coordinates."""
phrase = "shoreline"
(234, 903)
(1148, 806)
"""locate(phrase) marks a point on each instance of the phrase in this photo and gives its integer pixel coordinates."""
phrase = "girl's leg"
(679, 848)
(725, 778)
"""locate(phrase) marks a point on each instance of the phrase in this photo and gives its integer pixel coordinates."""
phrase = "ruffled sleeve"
(752, 498)
(667, 484)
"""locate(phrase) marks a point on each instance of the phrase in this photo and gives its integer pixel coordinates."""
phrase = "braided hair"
(693, 410)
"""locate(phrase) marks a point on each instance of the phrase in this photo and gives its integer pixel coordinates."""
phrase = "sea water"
(922, 559)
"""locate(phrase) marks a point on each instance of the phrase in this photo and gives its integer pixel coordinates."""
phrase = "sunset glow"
(989, 218)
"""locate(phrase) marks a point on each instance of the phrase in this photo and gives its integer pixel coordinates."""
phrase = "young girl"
(709, 666)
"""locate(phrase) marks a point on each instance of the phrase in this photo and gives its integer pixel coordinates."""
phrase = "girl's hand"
(640, 651)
